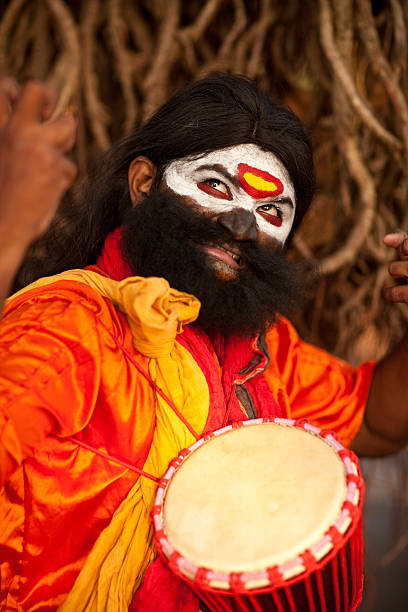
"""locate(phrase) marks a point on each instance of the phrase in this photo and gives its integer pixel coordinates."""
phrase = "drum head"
(253, 497)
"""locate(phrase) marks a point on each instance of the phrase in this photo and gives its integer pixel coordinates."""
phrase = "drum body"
(264, 515)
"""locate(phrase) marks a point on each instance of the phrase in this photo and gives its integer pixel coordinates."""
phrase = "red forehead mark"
(258, 183)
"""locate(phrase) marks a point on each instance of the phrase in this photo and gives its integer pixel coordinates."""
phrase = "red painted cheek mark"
(214, 192)
(271, 218)
(258, 183)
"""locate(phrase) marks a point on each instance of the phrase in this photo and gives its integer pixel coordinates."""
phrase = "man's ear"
(141, 175)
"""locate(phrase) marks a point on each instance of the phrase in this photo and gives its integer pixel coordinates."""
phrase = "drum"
(264, 515)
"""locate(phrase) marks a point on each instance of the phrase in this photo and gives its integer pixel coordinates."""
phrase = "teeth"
(234, 256)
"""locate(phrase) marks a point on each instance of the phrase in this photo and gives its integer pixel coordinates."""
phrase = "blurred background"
(341, 65)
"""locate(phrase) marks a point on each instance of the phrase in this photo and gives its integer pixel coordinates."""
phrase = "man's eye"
(216, 188)
(271, 213)
(272, 209)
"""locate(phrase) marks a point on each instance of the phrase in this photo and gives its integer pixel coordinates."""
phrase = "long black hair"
(218, 111)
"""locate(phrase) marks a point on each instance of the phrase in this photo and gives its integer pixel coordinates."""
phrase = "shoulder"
(59, 287)
(282, 329)
(58, 304)
(284, 343)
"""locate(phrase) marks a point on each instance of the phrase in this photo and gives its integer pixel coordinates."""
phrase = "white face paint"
(219, 182)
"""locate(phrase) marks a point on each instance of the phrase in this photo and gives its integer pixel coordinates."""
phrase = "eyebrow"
(284, 200)
(223, 171)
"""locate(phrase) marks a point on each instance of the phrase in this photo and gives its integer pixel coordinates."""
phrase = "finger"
(396, 294)
(35, 104)
(67, 176)
(399, 241)
(68, 172)
(399, 269)
(403, 249)
(8, 95)
(61, 133)
(10, 87)
(394, 239)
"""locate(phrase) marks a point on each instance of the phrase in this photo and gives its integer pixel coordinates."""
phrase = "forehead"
(232, 157)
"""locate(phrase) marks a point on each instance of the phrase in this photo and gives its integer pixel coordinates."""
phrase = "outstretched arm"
(34, 170)
(385, 426)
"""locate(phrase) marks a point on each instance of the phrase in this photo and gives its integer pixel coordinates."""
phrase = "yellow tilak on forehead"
(259, 183)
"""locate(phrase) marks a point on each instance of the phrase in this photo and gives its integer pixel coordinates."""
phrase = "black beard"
(160, 238)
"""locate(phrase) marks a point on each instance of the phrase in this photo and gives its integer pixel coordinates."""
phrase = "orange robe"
(67, 368)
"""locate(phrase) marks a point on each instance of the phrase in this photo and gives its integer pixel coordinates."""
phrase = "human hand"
(34, 169)
(399, 268)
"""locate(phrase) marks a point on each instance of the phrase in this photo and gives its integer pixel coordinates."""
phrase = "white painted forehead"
(230, 157)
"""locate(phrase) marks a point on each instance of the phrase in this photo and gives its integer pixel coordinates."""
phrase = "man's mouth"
(226, 254)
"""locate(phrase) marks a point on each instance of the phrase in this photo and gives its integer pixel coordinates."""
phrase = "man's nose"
(240, 222)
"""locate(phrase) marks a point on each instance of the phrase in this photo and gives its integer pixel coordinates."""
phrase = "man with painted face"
(220, 227)
(160, 320)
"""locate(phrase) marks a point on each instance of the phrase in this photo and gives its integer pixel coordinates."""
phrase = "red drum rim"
(291, 571)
